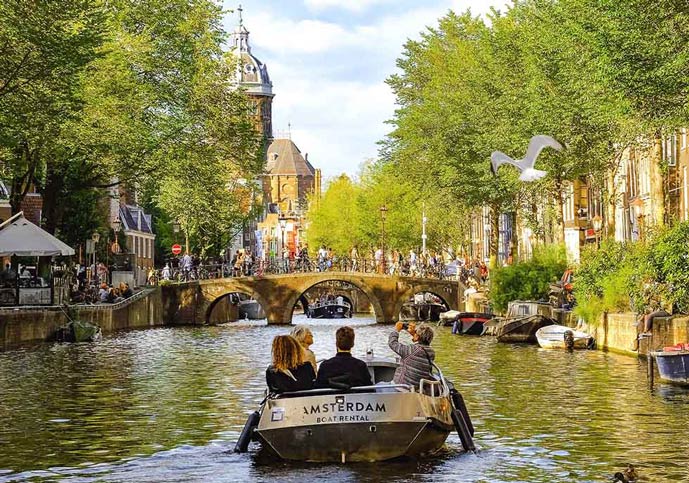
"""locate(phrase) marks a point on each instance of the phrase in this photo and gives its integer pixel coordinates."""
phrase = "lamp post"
(95, 237)
(597, 222)
(383, 214)
(283, 225)
(423, 230)
(638, 206)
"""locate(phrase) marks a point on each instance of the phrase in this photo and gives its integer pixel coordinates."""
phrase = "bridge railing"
(280, 266)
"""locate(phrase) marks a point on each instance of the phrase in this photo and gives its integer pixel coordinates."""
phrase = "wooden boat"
(467, 323)
(522, 329)
(329, 310)
(673, 363)
(371, 423)
(556, 337)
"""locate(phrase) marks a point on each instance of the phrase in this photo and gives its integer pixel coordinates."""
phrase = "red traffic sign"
(176, 249)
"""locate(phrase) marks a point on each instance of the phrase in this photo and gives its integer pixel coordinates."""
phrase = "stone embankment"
(28, 325)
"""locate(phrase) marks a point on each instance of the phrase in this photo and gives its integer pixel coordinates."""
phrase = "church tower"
(252, 75)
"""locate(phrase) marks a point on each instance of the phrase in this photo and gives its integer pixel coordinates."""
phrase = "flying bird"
(526, 165)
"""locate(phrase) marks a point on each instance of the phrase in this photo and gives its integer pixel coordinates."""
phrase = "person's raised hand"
(398, 326)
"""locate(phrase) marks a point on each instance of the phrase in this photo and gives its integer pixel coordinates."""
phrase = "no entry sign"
(176, 249)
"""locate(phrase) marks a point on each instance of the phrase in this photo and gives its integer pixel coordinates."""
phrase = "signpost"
(176, 249)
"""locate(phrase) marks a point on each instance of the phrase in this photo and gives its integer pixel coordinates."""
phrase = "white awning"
(20, 237)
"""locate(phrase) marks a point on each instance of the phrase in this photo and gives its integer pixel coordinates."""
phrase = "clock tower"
(252, 75)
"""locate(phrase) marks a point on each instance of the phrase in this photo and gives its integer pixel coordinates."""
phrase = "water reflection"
(168, 404)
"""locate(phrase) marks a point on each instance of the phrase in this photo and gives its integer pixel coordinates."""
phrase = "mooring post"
(649, 356)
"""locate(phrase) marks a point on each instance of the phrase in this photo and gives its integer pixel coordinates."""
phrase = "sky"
(328, 61)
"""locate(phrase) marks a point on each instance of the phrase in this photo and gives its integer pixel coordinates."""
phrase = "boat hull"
(673, 366)
(330, 311)
(552, 337)
(522, 329)
(355, 426)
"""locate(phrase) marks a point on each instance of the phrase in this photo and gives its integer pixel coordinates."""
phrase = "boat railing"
(353, 390)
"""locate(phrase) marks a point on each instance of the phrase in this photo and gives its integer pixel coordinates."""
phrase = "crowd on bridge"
(429, 264)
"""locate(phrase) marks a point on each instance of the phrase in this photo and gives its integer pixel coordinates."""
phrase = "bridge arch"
(359, 284)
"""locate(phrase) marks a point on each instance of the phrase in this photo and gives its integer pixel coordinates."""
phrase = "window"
(684, 138)
(669, 149)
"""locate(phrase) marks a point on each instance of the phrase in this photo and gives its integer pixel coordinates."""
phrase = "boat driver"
(415, 359)
(344, 370)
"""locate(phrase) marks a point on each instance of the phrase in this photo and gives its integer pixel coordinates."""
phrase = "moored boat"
(522, 329)
(467, 323)
(371, 423)
(673, 363)
(329, 310)
(562, 337)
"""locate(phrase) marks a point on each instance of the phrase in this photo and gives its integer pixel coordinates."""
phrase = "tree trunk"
(494, 235)
(53, 209)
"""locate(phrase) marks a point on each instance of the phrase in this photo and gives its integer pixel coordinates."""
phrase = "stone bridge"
(193, 302)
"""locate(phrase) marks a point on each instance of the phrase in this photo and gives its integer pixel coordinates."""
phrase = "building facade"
(289, 180)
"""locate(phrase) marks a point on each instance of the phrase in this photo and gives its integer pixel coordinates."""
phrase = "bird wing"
(497, 158)
(536, 145)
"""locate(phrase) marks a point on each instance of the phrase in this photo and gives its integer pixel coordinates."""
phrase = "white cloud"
(328, 73)
(350, 5)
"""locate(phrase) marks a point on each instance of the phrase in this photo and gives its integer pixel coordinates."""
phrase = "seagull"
(525, 165)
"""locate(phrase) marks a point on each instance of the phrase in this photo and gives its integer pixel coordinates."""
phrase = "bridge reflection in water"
(193, 302)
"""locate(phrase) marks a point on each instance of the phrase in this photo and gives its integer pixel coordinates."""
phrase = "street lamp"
(638, 206)
(283, 225)
(95, 237)
(116, 224)
(423, 230)
(383, 214)
(597, 222)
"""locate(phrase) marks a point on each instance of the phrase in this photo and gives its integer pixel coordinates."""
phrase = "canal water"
(168, 404)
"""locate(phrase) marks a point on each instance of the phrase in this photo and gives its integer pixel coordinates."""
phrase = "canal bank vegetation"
(592, 75)
(527, 280)
(99, 97)
(638, 277)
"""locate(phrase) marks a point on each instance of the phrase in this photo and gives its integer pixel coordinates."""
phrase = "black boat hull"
(330, 311)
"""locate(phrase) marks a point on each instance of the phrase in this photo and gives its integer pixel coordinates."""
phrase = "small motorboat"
(562, 337)
(329, 310)
(467, 323)
(673, 363)
(371, 423)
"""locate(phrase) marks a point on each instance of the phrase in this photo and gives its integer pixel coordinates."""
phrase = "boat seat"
(431, 388)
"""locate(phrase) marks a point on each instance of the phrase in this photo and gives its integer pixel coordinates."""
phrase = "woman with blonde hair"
(305, 338)
(288, 372)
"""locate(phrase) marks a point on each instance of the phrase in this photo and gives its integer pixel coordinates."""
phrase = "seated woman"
(305, 338)
(289, 372)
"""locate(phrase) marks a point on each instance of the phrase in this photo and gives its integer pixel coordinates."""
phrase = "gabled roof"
(285, 158)
(134, 219)
(20, 237)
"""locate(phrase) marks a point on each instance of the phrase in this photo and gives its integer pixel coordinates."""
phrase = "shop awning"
(20, 237)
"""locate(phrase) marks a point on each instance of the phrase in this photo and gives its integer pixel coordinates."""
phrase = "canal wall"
(619, 332)
(29, 325)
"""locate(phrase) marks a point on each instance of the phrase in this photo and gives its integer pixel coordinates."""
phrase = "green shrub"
(529, 280)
